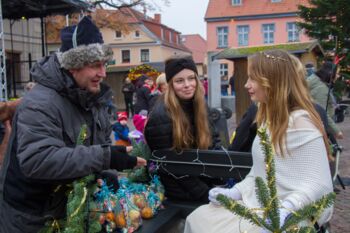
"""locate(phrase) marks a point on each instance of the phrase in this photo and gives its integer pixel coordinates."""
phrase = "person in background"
(320, 93)
(232, 85)
(310, 69)
(42, 155)
(161, 87)
(144, 95)
(224, 85)
(29, 86)
(161, 83)
(121, 130)
(206, 87)
(7, 110)
(300, 148)
(139, 121)
(128, 90)
(179, 120)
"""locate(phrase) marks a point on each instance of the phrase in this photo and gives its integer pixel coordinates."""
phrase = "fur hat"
(176, 64)
(82, 44)
(122, 116)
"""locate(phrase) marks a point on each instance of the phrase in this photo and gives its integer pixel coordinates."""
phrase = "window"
(118, 34)
(236, 2)
(137, 34)
(268, 31)
(243, 32)
(293, 32)
(223, 69)
(222, 36)
(276, 0)
(144, 55)
(125, 56)
(162, 33)
(170, 37)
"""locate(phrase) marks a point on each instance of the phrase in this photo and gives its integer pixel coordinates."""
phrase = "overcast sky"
(185, 16)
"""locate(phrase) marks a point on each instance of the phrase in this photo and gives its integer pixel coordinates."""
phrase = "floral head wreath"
(269, 56)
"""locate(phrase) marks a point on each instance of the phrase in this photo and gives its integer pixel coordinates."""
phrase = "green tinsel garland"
(267, 196)
(79, 219)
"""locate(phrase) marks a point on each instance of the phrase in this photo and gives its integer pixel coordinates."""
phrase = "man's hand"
(141, 162)
(129, 149)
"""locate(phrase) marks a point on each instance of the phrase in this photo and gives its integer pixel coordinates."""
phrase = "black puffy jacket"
(159, 135)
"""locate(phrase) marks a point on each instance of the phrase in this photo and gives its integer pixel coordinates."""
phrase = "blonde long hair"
(183, 137)
(282, 77)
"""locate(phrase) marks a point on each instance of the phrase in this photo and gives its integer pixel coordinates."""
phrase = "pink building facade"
(245, 23)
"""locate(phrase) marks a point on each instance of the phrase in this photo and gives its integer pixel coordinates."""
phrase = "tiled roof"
(124, 15)
(155, 27)
(197, 45)
(223, 8)
(235, 53)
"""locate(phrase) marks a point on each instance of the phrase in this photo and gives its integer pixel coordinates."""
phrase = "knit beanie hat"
(175, 65)
(122, 116)
(82, 44)
(139, 122)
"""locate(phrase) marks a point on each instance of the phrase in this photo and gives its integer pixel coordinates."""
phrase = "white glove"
(287, 206)
(232, 193)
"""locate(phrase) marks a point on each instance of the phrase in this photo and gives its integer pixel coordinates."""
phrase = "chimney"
(158, 18)
(144, 10)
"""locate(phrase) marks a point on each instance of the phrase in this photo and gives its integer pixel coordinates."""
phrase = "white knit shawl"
(303, 175)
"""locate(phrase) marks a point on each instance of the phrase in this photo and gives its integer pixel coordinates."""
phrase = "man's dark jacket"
(42, 155)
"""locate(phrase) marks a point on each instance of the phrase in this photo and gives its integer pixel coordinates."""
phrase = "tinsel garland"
(78, 218)
(268, 198)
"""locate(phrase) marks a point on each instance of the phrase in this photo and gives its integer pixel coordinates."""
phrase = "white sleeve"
(308, 176)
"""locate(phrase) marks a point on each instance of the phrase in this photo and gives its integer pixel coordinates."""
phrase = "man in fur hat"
(43, 155)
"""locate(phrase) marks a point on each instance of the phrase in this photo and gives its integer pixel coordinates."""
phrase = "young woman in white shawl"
(276, 81)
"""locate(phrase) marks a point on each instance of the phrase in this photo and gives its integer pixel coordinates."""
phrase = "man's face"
(90, 76)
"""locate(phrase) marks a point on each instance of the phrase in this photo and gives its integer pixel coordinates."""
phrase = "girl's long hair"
(183, 137)
(282, 76)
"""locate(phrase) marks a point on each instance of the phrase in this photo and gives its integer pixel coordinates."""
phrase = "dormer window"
(236, 2)
(137, 34)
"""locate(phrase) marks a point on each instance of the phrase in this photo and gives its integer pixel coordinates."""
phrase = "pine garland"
(142, 150)
(78, 218)
(267, 196)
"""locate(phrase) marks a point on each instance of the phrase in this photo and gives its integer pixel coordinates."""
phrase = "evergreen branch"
(310, 211)
(273, 211)
(262, 194)
(242, 211)
(82, 135)
(140, 149)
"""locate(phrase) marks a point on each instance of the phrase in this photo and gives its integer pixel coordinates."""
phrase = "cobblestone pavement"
(340, 222)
